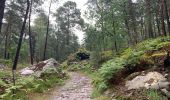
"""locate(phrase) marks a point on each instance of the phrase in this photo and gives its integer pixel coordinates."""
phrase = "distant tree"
(33, 5)
(149, 18)
(30, 34)
(11, 27)
(39, 29)
(68, 16)
(46, 38)
(2, 7)
(167, 15)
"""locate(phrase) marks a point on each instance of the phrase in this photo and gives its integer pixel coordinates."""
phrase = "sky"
(54, 6)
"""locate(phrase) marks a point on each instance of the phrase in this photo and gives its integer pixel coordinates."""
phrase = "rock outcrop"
(152, 80)
(44, 66)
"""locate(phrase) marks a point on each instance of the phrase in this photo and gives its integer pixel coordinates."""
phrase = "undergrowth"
(27, 84)
(131, 60)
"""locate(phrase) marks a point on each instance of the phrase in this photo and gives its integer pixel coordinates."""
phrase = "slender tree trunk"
(133, 23)
(20, 42)
(46, 39)
(9, 42)
(127, 24)
(158, 23)
(149, 19)
(6, 40)
(163, 29)
(114, 31)
(5, 51)
(2, 7)
(30, 34)
(102, 28)
(167, 15)
(67, 40)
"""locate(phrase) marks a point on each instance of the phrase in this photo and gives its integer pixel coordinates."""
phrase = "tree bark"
(20, 42)
(114, 31)
(30, 34)
(161, 10)
(149, 18)
(127, 24)
(133, 21)
(158, 23)
(46, 39)
(2, 7)
(6, 40)
(167, 15)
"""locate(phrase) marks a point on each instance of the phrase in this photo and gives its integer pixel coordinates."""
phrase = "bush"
(82, 54)
(84, 66)
(71, 58)
(109, 71)
(106, 55)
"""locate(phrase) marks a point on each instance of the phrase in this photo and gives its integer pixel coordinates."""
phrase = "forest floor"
(78, 87)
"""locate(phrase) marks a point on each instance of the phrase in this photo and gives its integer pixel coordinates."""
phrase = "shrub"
(109, 71)
(106, 55)
(71, 58)
(82, 54)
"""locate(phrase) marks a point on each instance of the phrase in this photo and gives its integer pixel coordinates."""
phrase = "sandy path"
(77, 88)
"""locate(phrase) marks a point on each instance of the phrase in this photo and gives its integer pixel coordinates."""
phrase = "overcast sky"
(54, 6)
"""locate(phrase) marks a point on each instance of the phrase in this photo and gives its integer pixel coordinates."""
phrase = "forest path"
(77, 88)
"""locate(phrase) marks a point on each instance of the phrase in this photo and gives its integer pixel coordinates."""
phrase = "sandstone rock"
(27, 72)
(38, 69)
(166, 92)
(152, 80)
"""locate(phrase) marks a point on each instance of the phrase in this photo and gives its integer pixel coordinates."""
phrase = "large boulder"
(26, 71)
(152, 80)
(42, 67)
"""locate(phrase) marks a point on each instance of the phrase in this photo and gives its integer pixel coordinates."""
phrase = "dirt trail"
(77, 88)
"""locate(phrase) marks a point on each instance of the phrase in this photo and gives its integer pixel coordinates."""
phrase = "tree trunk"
(20, 42)
(127, 24)
(157, 24)
(133, 21)
(46, 39)
(6, 40)
(2, 7)
(114, 31)
(161, 10)
(149, 19)
(167, 15)
(30, 34)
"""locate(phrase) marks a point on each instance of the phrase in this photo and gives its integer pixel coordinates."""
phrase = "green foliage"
(84, 66)
(156, 95)
(107, 72)
(64, 65)
(27, 84)
(106, 55)
(6, 62)
(19, 93)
